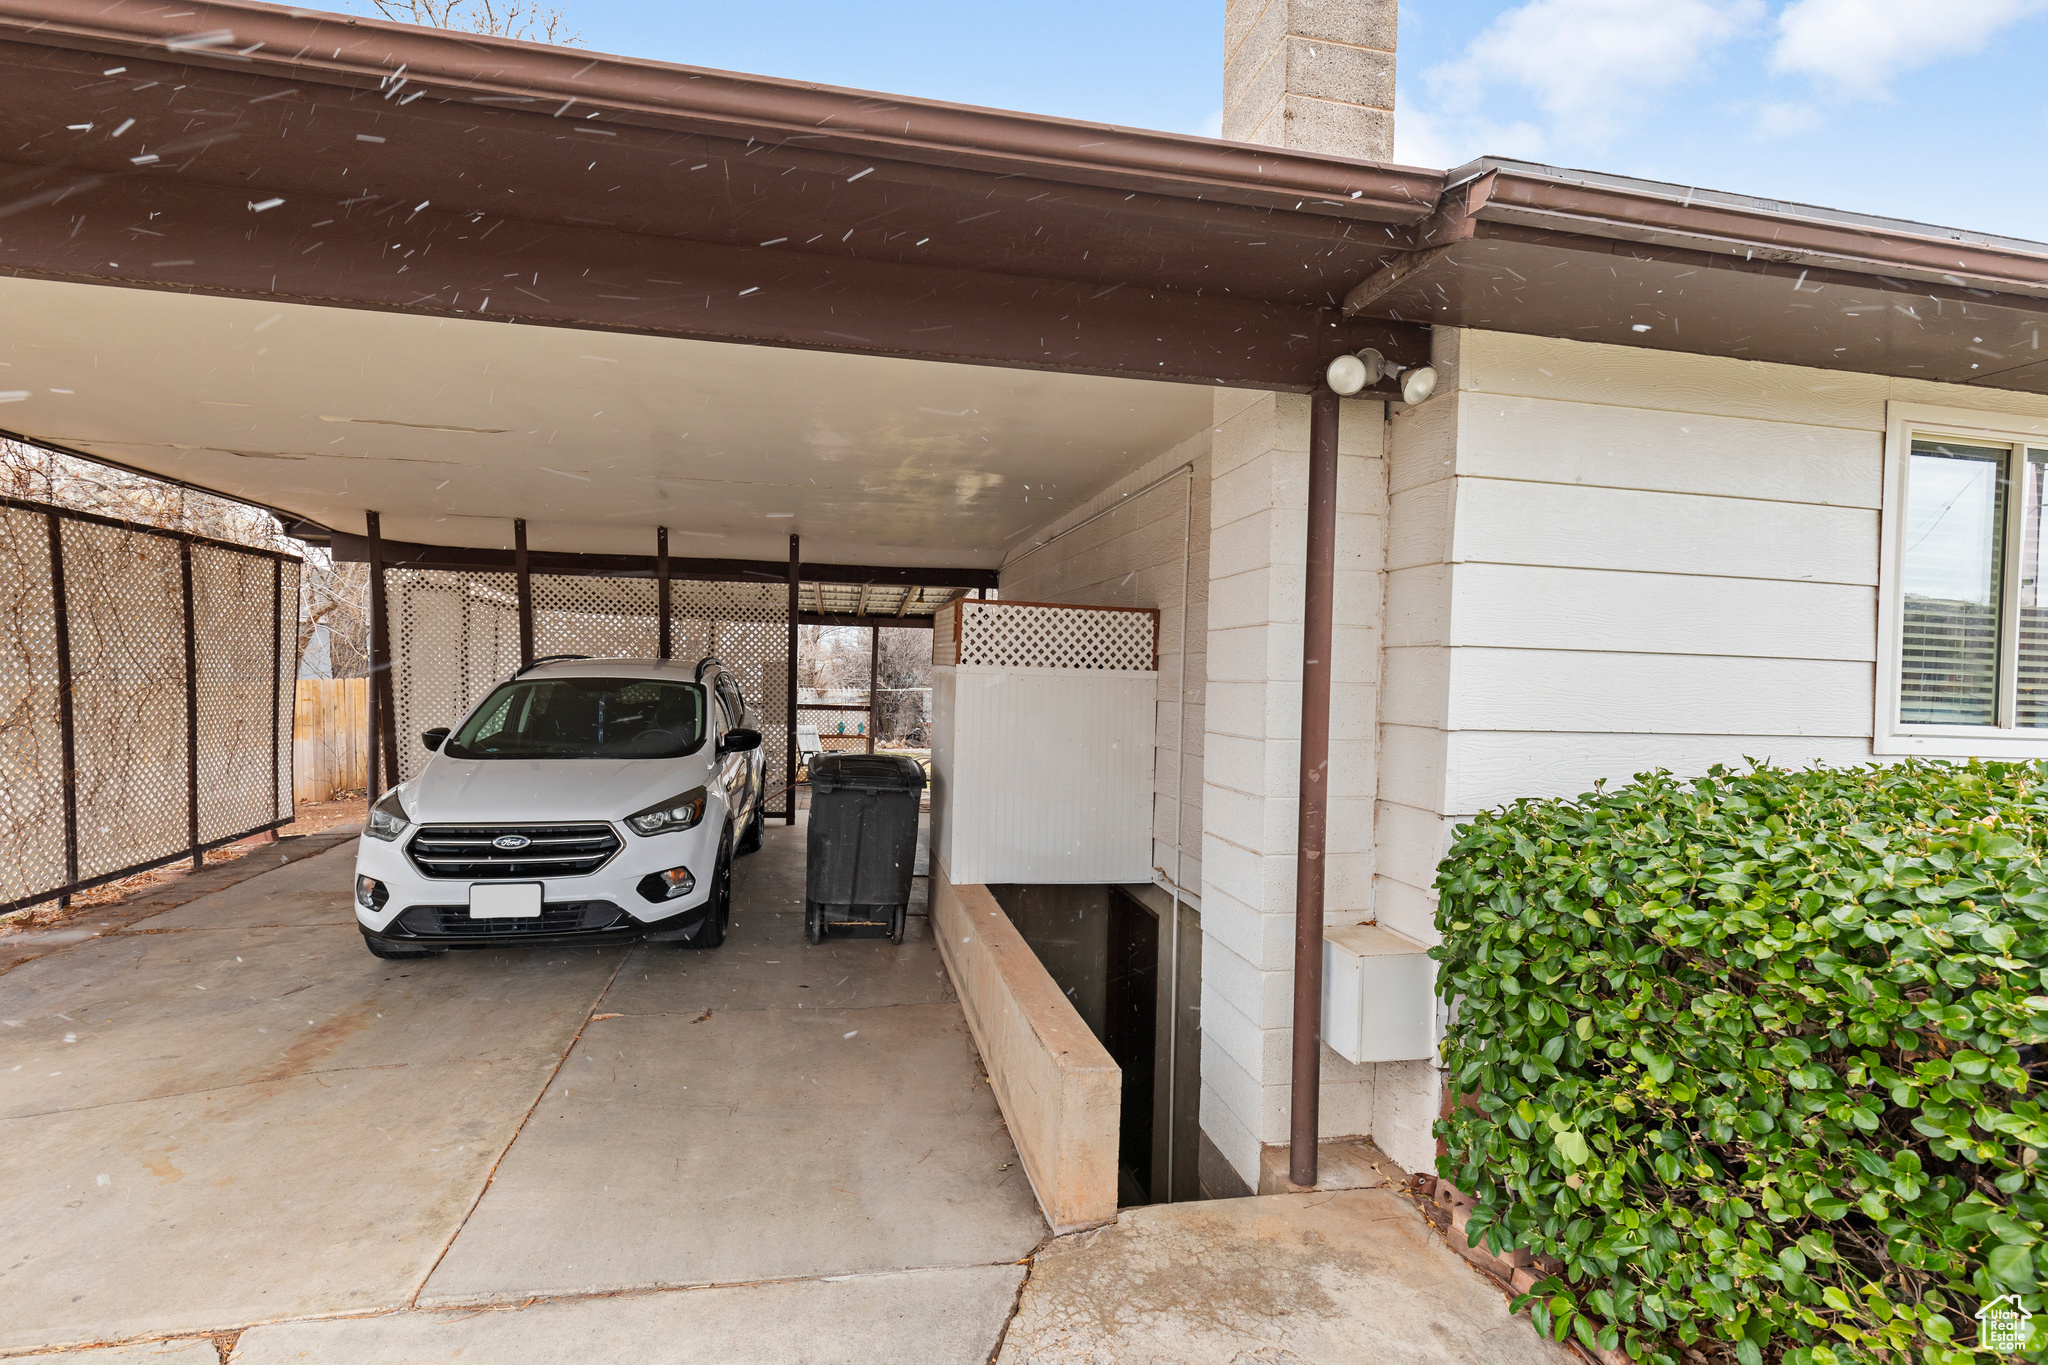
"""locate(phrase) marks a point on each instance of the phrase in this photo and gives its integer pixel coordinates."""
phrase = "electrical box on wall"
(1042, 733)
(1379, 995)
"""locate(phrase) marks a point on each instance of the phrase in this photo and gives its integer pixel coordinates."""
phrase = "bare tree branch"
(517, 19)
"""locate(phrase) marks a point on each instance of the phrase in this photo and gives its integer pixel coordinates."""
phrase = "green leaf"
(1848, 964)
(2012, 1265)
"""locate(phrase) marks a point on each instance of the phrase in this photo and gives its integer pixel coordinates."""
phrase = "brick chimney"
(1313, 75)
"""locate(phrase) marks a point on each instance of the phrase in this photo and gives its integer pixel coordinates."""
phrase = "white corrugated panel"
(1043, 775)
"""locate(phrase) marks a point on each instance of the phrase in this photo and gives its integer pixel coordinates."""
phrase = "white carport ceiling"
(452, 427)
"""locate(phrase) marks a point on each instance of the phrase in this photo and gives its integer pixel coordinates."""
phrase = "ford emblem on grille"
(510, 841)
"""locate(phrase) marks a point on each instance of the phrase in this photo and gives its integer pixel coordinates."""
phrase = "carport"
(638, 336)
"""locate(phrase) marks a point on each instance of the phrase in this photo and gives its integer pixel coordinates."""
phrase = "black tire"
(393, 954)
(896, 928)
(750, 837)
(814, 922)
(712, 935)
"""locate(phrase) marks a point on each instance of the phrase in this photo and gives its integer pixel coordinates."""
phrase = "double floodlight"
(1349, 374)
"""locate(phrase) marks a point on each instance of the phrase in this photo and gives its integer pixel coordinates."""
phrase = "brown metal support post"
(525, 592)
(1318, 597)
(67, 733)
(191, 711)
(667, 648)
(287, 799)
(795, 588)
(383, 738)
(874, 680)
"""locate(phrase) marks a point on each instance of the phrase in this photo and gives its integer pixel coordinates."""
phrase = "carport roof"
(170, 179)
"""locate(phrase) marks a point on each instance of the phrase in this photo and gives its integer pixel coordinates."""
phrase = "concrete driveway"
(229, 1115)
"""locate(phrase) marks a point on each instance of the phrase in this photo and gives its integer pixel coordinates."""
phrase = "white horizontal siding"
(1553, 441)
(1485, 769)
(1593, 691)
(1513, 522)
(1634, 377)
(1530, 607)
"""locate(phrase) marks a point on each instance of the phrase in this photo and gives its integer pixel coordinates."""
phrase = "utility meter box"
(1379, 995)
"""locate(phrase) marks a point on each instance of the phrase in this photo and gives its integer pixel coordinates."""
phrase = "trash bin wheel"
(896, 926)
(814, 922)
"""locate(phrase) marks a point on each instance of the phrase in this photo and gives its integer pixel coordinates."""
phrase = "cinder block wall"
(1257, 560)
(1315, 74)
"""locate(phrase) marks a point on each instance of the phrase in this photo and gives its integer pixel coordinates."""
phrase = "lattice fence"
(455, 636)
(179, 654)
(1047, 635)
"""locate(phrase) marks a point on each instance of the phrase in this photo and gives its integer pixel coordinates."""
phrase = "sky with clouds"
(1926, 109)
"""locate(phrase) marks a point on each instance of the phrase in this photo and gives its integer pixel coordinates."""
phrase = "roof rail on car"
(548, 659)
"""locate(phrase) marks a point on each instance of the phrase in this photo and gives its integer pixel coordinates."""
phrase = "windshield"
(584, 718)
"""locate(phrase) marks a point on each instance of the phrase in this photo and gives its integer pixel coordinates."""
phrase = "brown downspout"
(383, 738)
(1318, 596)
(525, 591)
(667, 646)
(795, 609)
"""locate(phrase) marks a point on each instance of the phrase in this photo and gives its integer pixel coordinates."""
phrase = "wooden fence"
(331, 729)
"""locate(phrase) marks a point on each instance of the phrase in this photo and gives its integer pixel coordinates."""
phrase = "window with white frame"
(1966, 622)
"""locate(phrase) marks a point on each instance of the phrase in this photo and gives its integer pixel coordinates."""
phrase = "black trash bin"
(862, 849)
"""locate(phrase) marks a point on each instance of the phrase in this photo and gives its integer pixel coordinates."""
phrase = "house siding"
(1604, 560)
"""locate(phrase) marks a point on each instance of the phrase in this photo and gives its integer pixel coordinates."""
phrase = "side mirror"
(739, 741)
(435, 737)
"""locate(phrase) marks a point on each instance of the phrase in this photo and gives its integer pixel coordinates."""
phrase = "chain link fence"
(145, 697)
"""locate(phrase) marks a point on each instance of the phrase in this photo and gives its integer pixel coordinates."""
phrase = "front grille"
(559, 917)
(465, 853)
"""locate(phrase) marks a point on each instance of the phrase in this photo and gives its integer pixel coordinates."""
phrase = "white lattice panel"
(1042, 635)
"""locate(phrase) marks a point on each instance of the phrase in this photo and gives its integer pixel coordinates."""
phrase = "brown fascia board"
(204, 240)
(349, 548)
(299, 45)
(1574, 208)
(1509, 278)
(842, 618)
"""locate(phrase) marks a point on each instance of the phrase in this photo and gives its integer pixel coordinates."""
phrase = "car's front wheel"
(720, 903)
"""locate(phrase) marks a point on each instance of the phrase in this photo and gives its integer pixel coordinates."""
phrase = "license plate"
(505, 900)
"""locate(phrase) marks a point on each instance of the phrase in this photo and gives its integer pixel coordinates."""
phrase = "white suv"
(582, 802)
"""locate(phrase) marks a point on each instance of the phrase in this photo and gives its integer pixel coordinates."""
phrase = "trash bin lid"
(866, 772)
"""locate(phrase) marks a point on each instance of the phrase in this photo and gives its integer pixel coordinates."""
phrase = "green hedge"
(1749, 1055)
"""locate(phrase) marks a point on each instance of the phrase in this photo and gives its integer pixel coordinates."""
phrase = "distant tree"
(904, 679)
(332, 595)
(518, 19)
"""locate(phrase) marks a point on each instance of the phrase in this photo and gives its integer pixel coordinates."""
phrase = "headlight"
(678, 812)
(388, 819)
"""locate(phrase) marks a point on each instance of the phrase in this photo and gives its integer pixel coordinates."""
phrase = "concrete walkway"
(229, 1119)
(1352, 1277)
